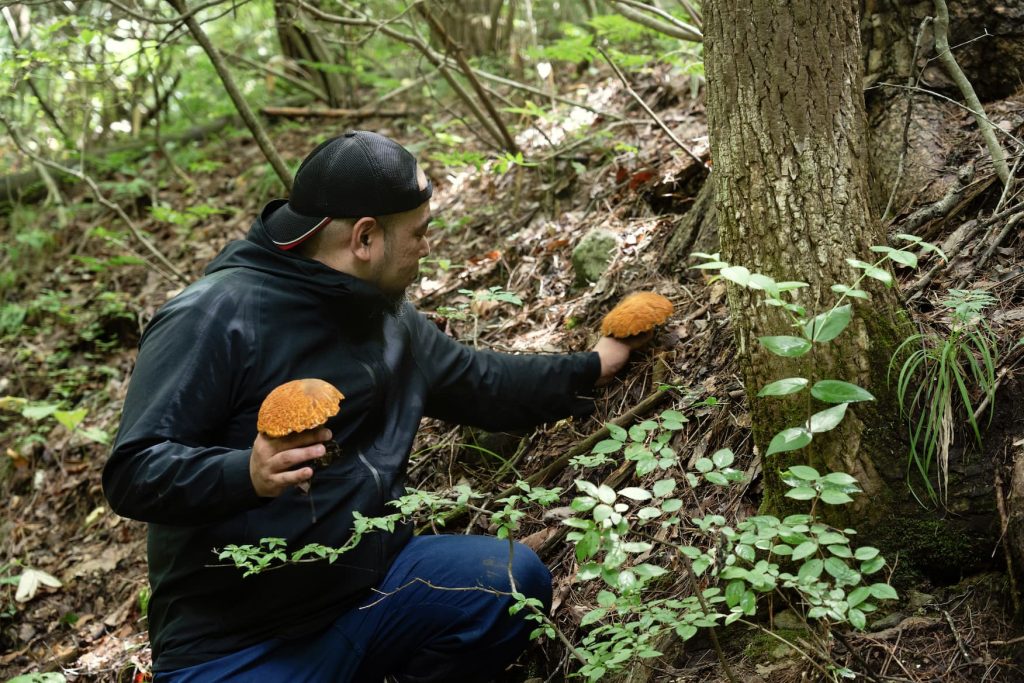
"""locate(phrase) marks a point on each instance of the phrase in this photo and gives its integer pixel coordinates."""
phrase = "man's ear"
(364, 232)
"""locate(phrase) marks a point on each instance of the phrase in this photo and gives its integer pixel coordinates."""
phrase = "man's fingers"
(292, 477)
(286, 460)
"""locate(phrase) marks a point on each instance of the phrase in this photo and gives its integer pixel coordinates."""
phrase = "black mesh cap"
(353, 175)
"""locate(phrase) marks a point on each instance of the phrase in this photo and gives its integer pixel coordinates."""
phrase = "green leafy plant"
(71, 420)
(937, 380)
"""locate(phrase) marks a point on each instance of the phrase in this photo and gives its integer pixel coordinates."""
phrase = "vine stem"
(707, 610)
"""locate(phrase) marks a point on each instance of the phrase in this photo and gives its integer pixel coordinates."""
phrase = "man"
(317, 290)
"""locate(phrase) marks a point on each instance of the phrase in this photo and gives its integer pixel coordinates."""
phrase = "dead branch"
(251, 122)
(170, 272)
(331, 113)
(668, 24)
(956, 73)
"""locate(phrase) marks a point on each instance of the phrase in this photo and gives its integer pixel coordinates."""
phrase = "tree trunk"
(476, 25)
(299, 43)
(787, 124)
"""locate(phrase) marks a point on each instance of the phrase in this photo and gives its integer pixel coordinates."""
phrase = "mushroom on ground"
(636, 314)
(298, 406)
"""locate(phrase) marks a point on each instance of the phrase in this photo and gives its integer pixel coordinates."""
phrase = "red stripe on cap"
(305, 236)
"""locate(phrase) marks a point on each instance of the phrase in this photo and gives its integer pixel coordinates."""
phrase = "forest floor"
(74, 312)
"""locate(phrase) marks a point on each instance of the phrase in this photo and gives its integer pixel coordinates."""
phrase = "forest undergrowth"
(499, 276)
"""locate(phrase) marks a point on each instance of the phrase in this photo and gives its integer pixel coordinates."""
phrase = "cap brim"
(288, 229)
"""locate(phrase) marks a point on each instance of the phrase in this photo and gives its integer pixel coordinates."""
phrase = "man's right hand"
(272, 461)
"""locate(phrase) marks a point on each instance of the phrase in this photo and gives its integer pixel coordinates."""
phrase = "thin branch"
(417, 43)
(467, 71)
(297, 82)
(172, 274)
(650, 112)
(171, 20)
(957, 74)
(251, 122)
(677, 29)
(963, 106)
(682, 28)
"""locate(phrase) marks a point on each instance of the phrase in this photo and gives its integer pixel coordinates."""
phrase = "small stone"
(591, 256)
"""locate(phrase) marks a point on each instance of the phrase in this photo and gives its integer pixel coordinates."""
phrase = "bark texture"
(787, 124)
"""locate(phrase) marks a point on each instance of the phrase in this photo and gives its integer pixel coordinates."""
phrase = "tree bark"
(299, 43)
(787, 124)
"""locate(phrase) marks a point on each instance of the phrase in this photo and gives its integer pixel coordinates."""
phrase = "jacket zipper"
(380, 493)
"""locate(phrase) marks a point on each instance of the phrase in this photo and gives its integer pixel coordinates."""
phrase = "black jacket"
(259, 318)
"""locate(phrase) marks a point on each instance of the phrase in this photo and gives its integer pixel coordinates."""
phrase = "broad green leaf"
(606, 494)
(883, 591)
(835, 391)
(672, 505)
(840, 551)
(840, 570)
(857, 619)
(39, 411)
(835, 497)
(858, 595)
(850, 291)
(763, 282)
(910, 238)
(789, 440)
(811, 569)
(704, 465)
(790, 285)
(801, 493)
(636, 547)
(685, 631)
(606, 446)
(904, 258)
(723, 457)
(839, 479)
(635, 493)
(873, 565)
(664, 487)
(615, 431)
(748, 603)
(592, 616)
(827, 326)
(95, 434)
(866, 552)
(737, 274)
(717, 478)
(648, 513)
(805, 549)
(830, 537)
(710, 265)
(804, 472)
(785, 346)
(734, 591)
(47, 677)
(826, 419)
(70, 418)
(783, 387)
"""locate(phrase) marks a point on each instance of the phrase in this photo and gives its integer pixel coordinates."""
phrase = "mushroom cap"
(637, 313)
(297, 406)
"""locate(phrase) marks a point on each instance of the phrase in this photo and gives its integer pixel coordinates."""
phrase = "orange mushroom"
(298, 406)
(636, 314)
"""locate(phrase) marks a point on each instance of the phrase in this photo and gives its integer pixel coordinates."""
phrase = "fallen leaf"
(31, 580)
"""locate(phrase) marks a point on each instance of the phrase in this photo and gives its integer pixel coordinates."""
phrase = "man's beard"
(394, 303)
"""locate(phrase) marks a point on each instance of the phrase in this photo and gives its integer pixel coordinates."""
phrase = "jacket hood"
(258, 252)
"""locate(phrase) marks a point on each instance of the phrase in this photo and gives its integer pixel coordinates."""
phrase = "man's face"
(405, 243)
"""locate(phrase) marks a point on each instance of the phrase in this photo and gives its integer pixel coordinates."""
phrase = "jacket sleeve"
(501, 391)
(165, 466)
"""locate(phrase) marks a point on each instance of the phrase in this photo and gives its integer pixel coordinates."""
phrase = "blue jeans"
(411, 631)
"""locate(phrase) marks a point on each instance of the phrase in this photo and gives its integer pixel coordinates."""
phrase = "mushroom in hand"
(298, 406)
(637, 314)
